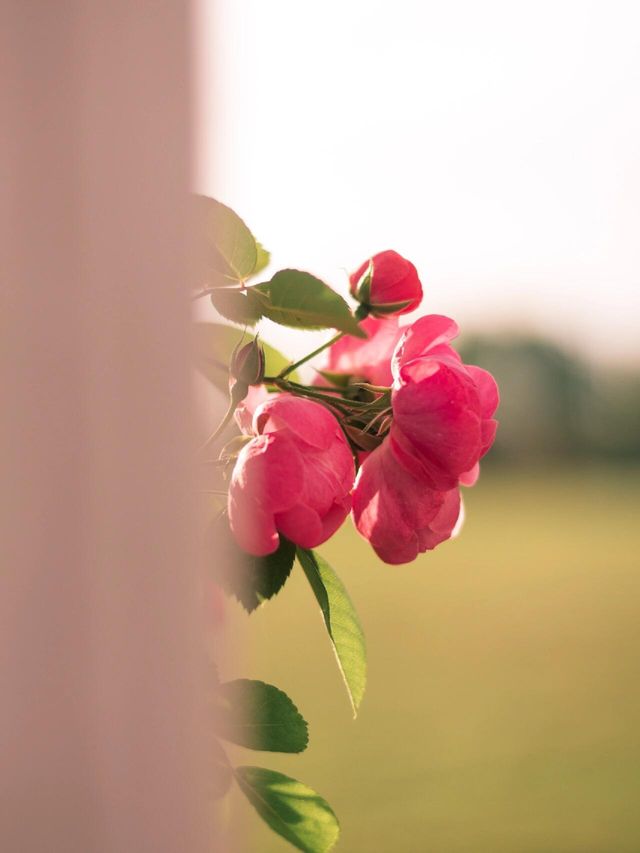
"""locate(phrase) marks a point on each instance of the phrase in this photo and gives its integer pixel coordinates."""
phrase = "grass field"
(502, 711)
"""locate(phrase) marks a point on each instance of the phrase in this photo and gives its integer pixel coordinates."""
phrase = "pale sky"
(495, 144)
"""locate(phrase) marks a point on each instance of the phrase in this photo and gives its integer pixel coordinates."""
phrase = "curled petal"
(245, 410)
(487, 389)
(444, 524)
(428, 336)
(470, 477)
(308, 421)
(307, 528)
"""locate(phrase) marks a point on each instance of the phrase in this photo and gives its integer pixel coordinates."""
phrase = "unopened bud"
(386, 284)
(247, 364)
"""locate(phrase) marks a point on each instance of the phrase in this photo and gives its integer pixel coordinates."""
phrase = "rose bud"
(247, 363)
(295, 477)
(387, 284)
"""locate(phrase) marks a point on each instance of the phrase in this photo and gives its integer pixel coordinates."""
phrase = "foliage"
(287, 483)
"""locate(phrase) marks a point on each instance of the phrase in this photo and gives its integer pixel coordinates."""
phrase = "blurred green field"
(502, 711)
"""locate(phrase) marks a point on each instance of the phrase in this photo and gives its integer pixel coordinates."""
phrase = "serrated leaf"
(301, 300)
(239, 306)
(341, 621)
(213, 345)
(262, 260)
(293, 810)
(259, 716)
(228, 253)
(252, 580)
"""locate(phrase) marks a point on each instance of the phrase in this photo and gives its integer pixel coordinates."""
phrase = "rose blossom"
(394, 280)
(295, 477)
(442, 409)
(406, 497)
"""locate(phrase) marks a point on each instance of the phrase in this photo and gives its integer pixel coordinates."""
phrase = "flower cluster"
(390, 427)
(400, 402)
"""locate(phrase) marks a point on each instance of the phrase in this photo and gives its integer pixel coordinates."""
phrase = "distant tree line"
(555, 405)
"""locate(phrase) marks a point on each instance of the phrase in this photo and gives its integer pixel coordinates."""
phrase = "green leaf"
(341, 622)
(301, 300)
(259, 716)
(213, 345)
(239, 306)
(252, 580)
(228, 250)
(262, 260)
(290, 808)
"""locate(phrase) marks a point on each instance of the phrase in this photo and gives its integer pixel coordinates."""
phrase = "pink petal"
(305, 419)
(370, 358)
(265, 480)
(392, 508)
(487, 388)
(437, 422)
(470, 478)
(256, 395)
(253, 528)
(442, 526)
(422, 337)
(302, 525)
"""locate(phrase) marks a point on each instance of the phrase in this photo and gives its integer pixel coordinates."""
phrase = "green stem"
(331, 394)
(305, 391)
(297, 364)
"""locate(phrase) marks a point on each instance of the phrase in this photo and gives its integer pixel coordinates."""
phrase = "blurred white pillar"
(100, 743)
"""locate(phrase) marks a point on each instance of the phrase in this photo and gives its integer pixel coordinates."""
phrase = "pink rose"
(442, 409)
(295, 477)
(396, 512)
(369, 358)
(393, 280)
(406, 499)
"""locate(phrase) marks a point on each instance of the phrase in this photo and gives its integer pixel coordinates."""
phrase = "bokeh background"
(496, 145)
